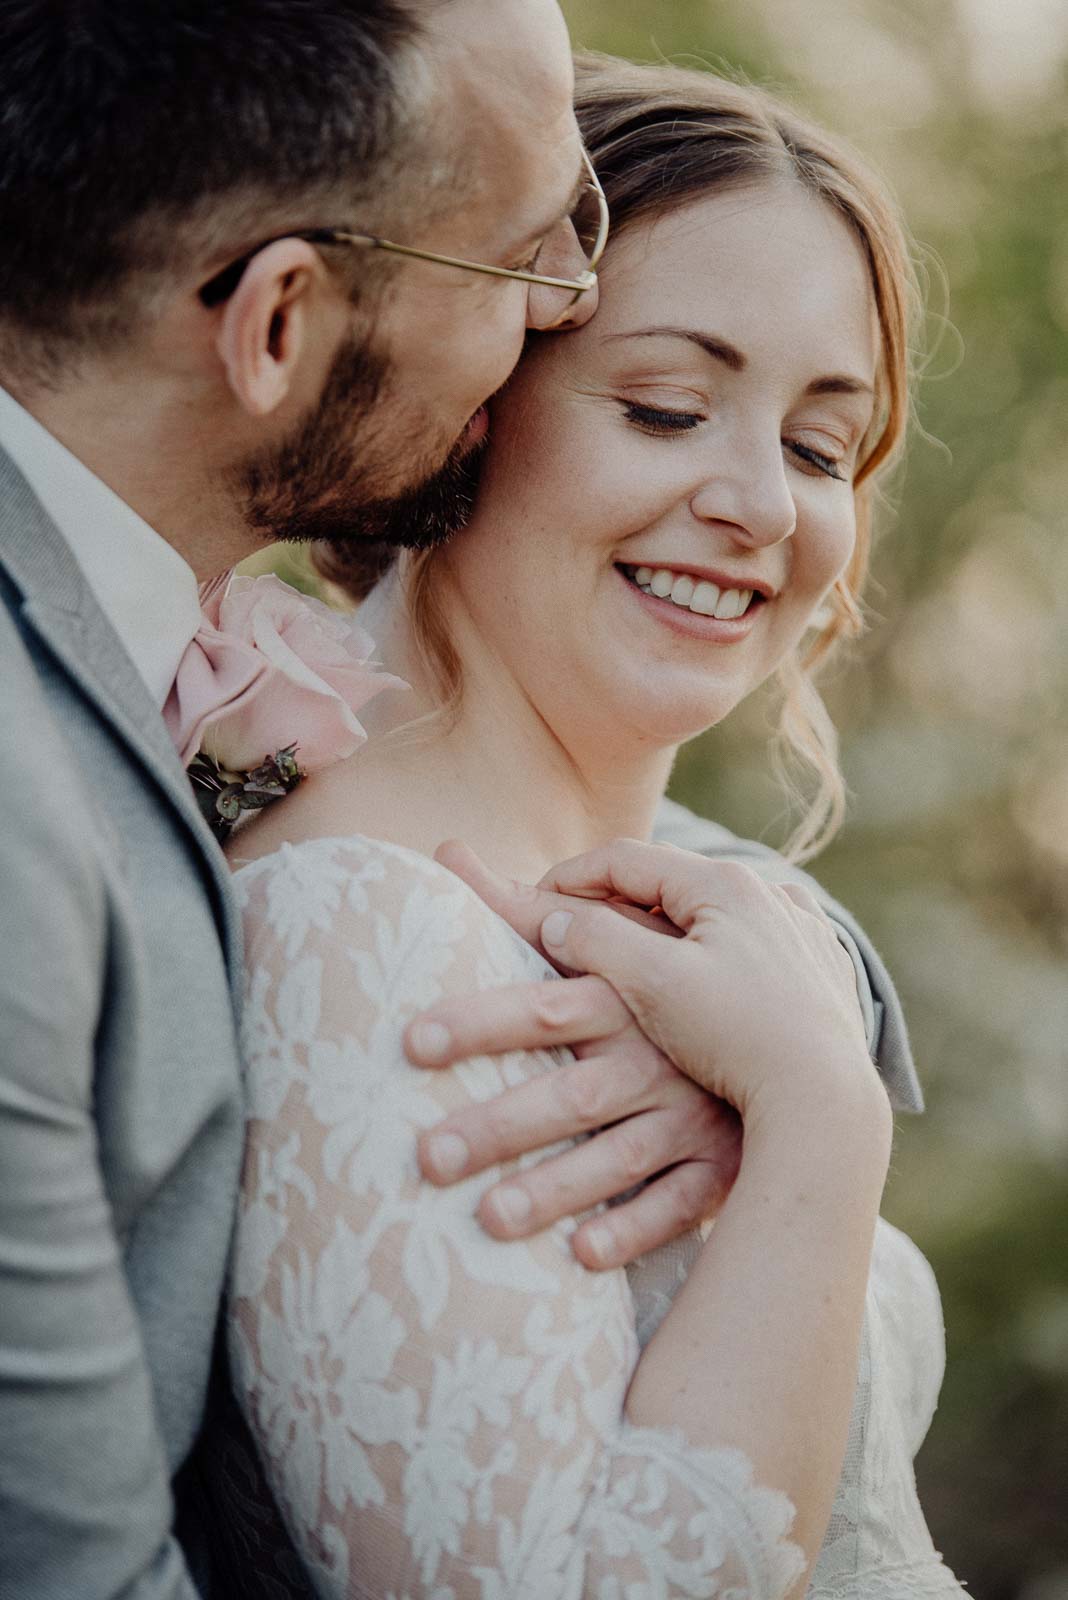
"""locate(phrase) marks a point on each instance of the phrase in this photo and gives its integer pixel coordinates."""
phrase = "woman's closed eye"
(666, 421)
(660, 420)
(814, 461)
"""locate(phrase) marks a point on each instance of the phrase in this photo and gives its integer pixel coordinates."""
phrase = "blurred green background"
(955, 739)
(953, 710)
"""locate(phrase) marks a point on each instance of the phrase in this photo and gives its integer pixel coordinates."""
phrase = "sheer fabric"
(440, 1415)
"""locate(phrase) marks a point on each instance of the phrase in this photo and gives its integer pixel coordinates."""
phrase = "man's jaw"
(423, 517)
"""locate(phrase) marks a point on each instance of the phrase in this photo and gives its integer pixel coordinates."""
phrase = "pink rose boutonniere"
(267, 693)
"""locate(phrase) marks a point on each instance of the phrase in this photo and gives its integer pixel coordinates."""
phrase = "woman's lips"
(715, 630)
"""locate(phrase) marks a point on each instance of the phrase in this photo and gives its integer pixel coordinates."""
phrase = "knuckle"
(699, 1191)
(631, 1152)
(740, 875)
(585, 1093)
(651, 1074)
(623, 844)
(679, 1136)
(552, 1008)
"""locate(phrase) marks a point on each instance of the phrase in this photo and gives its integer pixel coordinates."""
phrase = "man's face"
(406, 402)
(313, 485)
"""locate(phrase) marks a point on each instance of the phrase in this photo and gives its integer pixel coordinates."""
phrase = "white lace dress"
(440, 1415)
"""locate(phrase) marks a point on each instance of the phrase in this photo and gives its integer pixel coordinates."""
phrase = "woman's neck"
(524, 789)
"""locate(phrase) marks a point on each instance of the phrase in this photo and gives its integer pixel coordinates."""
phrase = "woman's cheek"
(830, 549)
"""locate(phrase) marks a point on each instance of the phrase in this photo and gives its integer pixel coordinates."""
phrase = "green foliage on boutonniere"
(222, 796)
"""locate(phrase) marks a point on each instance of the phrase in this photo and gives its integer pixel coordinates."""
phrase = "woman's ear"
(265, 328)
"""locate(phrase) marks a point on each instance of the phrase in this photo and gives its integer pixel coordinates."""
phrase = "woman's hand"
(756, 1001)
(759, 973)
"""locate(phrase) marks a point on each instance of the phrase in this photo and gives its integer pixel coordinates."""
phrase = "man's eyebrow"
(731, 357)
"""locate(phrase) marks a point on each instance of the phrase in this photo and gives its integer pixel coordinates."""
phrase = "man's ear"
(265, 328)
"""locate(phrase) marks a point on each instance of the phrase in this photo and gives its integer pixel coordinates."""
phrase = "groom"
(192, 361)
(207, 339)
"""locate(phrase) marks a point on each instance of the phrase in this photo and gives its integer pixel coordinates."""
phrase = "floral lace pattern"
(440, 1415)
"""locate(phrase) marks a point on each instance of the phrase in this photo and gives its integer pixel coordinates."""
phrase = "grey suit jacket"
(120, 1113)
(888, 1037)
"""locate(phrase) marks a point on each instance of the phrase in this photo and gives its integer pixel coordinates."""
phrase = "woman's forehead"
(754, 266)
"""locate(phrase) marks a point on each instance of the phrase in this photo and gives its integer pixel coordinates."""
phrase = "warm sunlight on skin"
(706, 422)
(703, 427)
(452, 337)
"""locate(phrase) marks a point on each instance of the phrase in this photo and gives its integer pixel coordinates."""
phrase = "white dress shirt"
(144, 587)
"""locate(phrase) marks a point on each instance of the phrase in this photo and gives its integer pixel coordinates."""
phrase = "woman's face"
(668, 494)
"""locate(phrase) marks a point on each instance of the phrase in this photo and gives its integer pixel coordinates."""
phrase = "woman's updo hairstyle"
(662, 137)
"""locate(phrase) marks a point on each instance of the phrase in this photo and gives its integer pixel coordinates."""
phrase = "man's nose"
(561, 256)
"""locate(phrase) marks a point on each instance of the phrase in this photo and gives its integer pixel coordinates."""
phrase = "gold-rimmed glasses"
(589, 219)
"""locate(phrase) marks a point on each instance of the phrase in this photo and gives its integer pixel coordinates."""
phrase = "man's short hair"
(136, 134)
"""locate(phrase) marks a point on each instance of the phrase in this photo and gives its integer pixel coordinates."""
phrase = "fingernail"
(599, 1242)
(513, 1205)
(429, 1040)
(448, 1154)
(554, 928)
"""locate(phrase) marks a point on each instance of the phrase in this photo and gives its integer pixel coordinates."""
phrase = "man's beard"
(425, 516)
(314, 485)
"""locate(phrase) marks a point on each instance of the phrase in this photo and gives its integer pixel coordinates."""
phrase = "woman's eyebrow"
(839, 383)
(718, 349)
(733, 358)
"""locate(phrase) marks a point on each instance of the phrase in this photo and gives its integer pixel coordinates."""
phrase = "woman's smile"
(692, 605)
(677, 473)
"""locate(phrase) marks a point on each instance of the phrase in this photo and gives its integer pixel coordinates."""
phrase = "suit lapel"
(60, 608)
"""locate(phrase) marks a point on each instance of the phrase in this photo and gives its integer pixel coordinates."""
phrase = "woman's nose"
(561, 256)
(751, 495)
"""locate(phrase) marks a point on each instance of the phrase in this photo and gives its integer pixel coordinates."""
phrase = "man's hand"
(652, 1119)
(756, 998)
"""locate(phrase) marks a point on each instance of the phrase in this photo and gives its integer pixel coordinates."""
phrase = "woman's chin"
(664, 721)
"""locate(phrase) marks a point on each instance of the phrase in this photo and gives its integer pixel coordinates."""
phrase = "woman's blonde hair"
(661, 137)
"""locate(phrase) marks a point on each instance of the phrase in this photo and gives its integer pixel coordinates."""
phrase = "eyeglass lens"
(585, 221)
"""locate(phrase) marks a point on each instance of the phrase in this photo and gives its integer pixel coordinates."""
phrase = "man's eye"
(530, 262)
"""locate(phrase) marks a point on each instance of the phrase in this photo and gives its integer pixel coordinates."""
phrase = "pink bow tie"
(269, 668)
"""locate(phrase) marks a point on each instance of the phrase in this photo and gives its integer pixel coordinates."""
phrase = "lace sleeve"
(440, 1415)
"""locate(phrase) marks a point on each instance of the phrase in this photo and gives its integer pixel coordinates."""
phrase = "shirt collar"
(144, 587)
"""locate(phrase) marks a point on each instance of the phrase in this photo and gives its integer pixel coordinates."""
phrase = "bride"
(674, 507)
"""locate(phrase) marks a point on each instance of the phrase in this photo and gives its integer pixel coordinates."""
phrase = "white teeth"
(705, 599)
(733, 603)
(700, 596)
